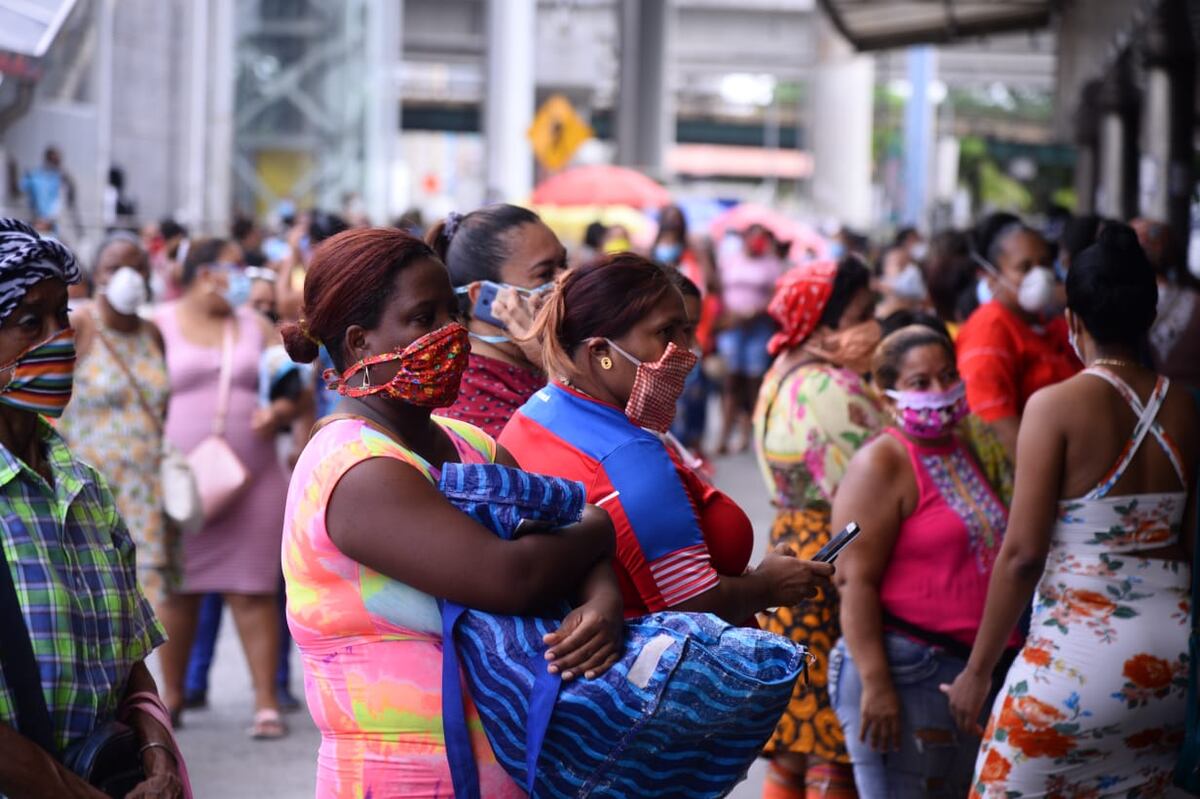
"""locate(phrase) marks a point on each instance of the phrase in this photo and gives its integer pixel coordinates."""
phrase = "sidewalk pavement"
(224, 762)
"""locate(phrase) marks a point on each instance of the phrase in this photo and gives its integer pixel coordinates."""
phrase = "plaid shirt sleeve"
(145, 633)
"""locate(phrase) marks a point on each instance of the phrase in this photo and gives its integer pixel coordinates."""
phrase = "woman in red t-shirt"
(1016, 342)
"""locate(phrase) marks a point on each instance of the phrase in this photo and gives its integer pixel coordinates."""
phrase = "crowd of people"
(1009, 415)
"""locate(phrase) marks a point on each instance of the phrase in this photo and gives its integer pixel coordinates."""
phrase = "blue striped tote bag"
(682, 714)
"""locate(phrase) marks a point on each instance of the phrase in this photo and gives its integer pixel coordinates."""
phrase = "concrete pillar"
(1117, 159)
(103, 76)
(1087, 122)
(918, 134)
(384, 55)
(842, 107)
(196, 155)
(1165, 174)
(222, 76)
(508, 104)
(645, 101)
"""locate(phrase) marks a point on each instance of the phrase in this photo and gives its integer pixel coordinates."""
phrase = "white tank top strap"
(1147, 423)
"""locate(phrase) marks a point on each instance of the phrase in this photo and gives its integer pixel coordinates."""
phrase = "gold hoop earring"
(605, 362)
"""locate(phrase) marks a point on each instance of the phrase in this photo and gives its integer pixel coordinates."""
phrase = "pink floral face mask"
(930, 414)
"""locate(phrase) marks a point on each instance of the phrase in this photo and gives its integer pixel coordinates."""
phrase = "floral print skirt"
(1094, 705)
(810, 725)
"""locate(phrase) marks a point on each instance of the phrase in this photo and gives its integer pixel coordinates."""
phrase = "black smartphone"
(830, 551)
(482, 309)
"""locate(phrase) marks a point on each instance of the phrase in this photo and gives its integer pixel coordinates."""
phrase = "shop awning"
(884, 24)
(27, 27)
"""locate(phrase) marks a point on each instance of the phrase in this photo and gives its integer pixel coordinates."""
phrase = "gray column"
(645, 100)
(1117, 161)
(222, 76)
(196, 155)
(508, 104)
(1087, 123)
(842, 109)
(385, 45)
(1165, 174)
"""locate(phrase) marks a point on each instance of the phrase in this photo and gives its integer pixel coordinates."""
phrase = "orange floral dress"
(1094, 704)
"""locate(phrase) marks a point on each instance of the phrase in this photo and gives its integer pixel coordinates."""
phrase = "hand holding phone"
(829, 552)
(482, 310)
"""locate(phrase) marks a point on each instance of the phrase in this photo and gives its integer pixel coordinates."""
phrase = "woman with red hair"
(813, 413)
(370, 544)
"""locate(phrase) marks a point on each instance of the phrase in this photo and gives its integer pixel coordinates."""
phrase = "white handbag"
(180, 498)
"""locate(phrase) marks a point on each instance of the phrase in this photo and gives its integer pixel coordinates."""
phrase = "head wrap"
(800, 297)
(26, 259)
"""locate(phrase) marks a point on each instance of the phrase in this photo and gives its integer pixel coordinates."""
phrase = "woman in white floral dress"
(1094, 705)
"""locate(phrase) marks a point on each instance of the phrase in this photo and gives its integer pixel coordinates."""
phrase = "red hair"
(350, 281)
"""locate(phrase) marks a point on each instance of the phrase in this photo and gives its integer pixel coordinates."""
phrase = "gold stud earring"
(605, 362)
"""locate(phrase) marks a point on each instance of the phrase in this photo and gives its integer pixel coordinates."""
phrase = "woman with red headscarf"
(814, 411)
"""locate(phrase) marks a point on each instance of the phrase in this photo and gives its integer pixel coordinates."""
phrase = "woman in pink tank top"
(913, 588)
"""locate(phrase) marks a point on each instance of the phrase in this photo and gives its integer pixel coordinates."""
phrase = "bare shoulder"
(151, 330)
(880, 460)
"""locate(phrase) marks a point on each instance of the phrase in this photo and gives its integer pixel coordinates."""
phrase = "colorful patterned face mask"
(428, 374)
(657, 387)
(40, 380)
(930, 414)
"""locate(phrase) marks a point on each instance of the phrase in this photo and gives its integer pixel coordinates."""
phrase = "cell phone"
(830, 551)
(482, 309)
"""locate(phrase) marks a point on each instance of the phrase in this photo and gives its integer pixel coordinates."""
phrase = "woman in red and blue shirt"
(615, 338)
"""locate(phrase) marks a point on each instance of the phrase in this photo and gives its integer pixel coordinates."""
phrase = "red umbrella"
(601, 185)
(802, 237)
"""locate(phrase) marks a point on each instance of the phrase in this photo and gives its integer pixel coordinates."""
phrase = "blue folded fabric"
(682, 714)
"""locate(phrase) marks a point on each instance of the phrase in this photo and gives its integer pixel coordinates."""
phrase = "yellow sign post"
(556, 133)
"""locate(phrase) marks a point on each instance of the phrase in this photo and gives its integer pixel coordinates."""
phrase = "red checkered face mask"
(657, 387)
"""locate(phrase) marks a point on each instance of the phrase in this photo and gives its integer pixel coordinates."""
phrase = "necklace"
(1113, 362)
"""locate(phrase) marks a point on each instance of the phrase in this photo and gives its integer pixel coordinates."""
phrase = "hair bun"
(299, 344)
(1119, 237)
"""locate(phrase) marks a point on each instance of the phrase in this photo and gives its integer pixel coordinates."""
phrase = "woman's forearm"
(601, 583)
(551, 566)
(735, 599)
(29, 772)
(156, 759)
(1009, 591)
(862, 627)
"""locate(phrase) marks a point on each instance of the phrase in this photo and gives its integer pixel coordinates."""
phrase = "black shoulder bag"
(109, 759)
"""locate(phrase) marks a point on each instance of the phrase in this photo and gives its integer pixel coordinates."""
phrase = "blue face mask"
(836, 250)
(983, 292)
(462, 291)
(237, 293)
(668, 253)
(1060, 271)
(491, 339)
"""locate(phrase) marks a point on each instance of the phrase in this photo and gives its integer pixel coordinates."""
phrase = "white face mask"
(918, 251)
(1035, 294)
(909, 284)
(126, 291)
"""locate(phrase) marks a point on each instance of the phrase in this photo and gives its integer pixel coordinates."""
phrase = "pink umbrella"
(601, 185)
(807, 243)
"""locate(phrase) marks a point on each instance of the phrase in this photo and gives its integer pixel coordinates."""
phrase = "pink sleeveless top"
(937, 577)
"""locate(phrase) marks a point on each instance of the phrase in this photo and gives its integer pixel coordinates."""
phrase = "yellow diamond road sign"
(556, 133)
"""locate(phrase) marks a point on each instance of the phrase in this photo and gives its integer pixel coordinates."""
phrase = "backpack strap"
(20, 666)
